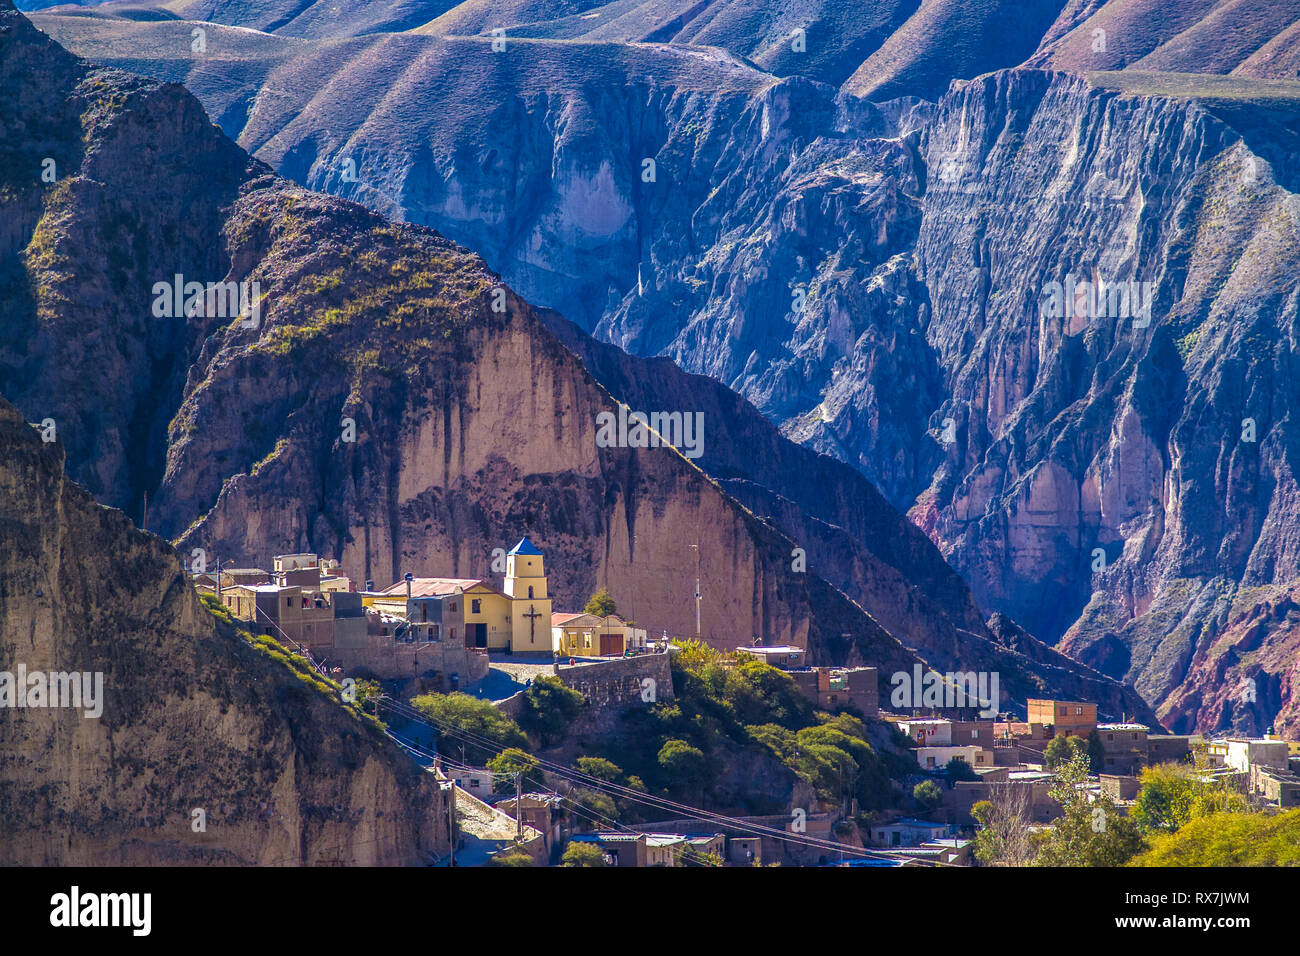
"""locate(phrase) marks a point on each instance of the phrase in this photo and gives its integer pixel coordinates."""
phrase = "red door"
(611, 645)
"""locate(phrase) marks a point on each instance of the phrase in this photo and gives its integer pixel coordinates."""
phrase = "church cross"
(532, 616)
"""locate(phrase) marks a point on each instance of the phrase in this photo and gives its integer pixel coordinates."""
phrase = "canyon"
(860, 251)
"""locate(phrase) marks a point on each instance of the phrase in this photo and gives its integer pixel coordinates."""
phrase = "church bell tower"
(530, 603)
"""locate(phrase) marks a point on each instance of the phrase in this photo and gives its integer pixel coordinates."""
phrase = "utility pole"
(519, 806)
(450, 787)
(697, 590)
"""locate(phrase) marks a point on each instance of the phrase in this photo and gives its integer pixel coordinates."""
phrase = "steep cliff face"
(86, 233)
(848, 534)
(1118, 476)
(396, 407)
(472, 425)
(192, 718)
(871, 277)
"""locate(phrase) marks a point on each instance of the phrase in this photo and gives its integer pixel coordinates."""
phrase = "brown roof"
(585, 620)
(434, 587)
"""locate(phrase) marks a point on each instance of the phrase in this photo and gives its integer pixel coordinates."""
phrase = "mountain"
(867, 266)
(192, 718)
(472, 423)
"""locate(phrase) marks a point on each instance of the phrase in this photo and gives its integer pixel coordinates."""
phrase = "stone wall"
(616, 684)
(389, 660)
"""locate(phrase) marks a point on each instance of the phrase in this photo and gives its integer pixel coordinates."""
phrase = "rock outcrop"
(205, 751)
(396, 407)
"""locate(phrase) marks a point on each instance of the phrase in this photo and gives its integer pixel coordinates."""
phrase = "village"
(492, 642)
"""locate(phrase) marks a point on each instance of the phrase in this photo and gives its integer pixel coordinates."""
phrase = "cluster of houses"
(441, 631)
(1012, 752)
(438, 629)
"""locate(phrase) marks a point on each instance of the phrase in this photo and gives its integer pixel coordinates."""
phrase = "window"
(530, 591)
(475, 606)
(288, 602)
(433, 631)
(453, 607)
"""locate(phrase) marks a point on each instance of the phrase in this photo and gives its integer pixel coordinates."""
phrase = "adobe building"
(936, 757)
(1168, 748)
(289, 613)
(836, 688)
(1243, 753)
(1063, 716)
(942, 732)
(1279, 787)
(1119, 787)
(1125, 747)
(586, 635)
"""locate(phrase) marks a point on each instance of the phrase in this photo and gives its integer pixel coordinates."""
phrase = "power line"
(659, 803)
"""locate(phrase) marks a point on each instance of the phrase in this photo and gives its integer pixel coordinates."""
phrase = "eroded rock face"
(1113, 479)
(1029, 447)
(191, 719)
(472, 425)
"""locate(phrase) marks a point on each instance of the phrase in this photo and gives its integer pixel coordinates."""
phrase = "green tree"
(506, 764)
(457, 714)
(957, 770)
(600, 768)
(582, 853)
(928, 794)
(683, 765)
(367, 691)
(1173, 795)
(549, 708)
(1060, 750)
(1229, 839)
(1090, 832)
(1096, 752)
(601, 604)
(594, 806)
(511, 857)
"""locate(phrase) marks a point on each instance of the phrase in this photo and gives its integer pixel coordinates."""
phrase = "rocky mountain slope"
(191, 718)
(870, 272)
(870, 275)
(471, 423)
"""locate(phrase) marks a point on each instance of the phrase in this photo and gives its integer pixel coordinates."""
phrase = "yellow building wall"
(538, 638)
(572, 641)
(494, 611)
